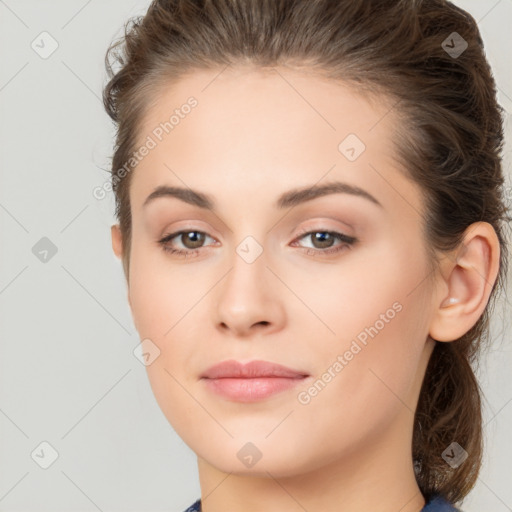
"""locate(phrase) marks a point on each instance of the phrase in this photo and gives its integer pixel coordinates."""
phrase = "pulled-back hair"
(450, 140)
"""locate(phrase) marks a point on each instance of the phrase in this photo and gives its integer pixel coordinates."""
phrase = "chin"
(235, 455)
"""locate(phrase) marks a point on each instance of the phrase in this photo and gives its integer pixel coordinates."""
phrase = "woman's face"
(348, 305)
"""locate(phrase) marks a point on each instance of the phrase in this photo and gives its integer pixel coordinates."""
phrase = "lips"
(251, 370)
(251, 382)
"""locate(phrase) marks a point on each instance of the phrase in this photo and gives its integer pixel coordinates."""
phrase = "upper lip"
(253, 369)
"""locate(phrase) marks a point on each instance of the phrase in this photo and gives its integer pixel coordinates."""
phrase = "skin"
(251, 138)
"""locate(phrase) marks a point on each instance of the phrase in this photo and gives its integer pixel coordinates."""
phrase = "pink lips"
(250, 382)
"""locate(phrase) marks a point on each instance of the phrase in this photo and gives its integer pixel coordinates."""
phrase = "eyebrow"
(287, 200)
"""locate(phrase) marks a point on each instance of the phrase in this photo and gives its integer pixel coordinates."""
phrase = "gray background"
(68, 375)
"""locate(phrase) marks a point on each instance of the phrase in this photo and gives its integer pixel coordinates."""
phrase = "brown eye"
(194, 238)
(191, 241)
(323, 238)
(323, 242)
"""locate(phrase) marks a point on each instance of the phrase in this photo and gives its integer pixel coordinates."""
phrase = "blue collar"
(436, 504)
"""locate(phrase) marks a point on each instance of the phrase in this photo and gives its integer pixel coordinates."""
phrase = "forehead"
(248, 126)
(272, 100)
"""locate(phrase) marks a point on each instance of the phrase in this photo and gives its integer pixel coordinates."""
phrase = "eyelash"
(347, 242)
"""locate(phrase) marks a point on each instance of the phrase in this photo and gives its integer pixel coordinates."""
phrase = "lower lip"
(251, 389)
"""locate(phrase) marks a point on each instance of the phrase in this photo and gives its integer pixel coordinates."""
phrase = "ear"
(117, 246)
(117, 240)
(466, 283)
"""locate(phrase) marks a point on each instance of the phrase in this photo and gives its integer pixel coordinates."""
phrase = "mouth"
(251, 382)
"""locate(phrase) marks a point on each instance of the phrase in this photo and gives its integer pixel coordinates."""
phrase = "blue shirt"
(436, 504)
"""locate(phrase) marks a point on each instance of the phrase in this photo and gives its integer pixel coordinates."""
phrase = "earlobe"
(117, 240)
(469, 280)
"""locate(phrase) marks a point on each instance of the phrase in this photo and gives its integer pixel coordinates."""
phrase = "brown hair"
(450, 142)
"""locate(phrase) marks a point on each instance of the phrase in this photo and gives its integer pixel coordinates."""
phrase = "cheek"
(161, 301)
(165, 302)
(360, 388)
(378, 322)
(160, 294)
(350, 295)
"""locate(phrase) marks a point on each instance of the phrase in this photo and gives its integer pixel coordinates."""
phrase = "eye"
(191, 239)
(323, 241)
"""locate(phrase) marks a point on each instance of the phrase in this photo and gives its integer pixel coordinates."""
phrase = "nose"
(248, 299)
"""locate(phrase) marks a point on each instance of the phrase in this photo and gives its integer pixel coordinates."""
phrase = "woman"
(310, 207)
